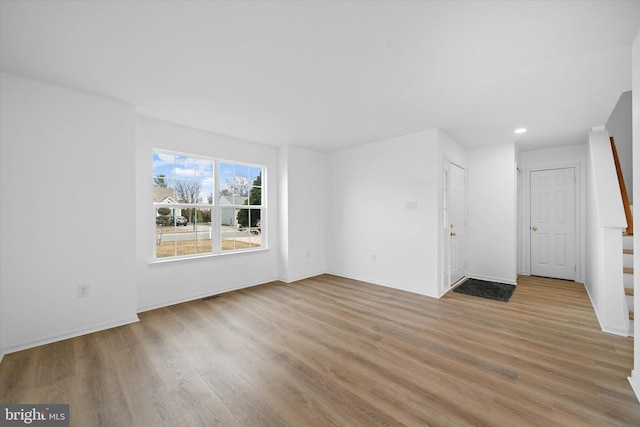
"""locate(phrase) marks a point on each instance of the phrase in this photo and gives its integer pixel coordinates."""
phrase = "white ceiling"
(328, 75)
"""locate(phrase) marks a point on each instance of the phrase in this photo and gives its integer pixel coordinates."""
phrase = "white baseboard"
(452, 287)
(193, 297)
(615, 331)
(96, 328)
(595, 309)
(291, 280)
(603, 327)
(634, 380)
(378, 283)
(71, 334)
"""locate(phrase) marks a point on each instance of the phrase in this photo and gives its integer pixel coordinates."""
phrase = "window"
(206, 206)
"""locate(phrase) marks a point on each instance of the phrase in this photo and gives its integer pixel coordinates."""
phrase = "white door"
(552, 227)
(455, 222)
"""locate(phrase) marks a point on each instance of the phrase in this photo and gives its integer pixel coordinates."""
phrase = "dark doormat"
(484, 289)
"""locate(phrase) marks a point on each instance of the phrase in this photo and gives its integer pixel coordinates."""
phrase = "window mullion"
(216, 213)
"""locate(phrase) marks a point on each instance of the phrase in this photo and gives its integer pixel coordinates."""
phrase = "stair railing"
(623, 188)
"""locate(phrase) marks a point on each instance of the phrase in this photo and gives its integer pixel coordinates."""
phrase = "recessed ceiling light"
(520, 130)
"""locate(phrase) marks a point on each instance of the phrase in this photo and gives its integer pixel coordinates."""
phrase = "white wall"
(169, 282)
(559, 157)
(451, 150)
(635, 73)
(605, 223)
(371, 234)
(302, 213)
(594, 269)
(67, 174)
(607, 190)
(492, 213)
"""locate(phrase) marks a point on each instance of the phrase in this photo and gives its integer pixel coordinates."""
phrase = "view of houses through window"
(205, 206)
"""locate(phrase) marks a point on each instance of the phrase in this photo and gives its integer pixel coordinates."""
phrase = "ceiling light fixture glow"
(520, 130)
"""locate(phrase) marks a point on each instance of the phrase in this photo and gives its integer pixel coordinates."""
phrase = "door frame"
(445, 284)
(525, 215)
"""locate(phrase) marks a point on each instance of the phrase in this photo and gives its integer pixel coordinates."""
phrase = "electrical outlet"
(83, 291)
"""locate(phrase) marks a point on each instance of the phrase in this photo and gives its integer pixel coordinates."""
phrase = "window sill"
(205, 256)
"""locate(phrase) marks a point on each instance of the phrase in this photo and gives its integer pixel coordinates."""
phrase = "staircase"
(627, 240)
(627, 268)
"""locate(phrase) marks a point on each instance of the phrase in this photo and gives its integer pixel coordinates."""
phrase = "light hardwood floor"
(334, 351)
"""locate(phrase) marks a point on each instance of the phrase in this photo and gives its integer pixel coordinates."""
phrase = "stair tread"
(628, 291)
(631, 315)
(627, 251)
(628, 270)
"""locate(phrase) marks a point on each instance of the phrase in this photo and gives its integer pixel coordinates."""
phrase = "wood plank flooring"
(334, 351)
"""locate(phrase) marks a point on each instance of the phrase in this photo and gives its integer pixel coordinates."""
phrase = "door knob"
(534, 228)
(453, 234)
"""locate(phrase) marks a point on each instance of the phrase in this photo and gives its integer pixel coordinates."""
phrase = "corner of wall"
(302, 248)
(492, 212)
(635, 101)
(283, 229)
(624, 332)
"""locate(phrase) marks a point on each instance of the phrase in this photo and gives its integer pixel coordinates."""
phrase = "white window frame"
(216, 209)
